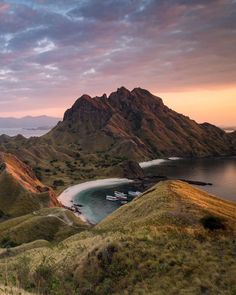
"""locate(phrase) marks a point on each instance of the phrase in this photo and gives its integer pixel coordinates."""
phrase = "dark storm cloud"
(53, 48)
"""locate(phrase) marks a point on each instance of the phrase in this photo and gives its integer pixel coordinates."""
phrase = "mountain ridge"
(141, 120)
(99, 133)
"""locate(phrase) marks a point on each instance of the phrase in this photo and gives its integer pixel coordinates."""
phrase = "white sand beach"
(70, 193)
(156, 162)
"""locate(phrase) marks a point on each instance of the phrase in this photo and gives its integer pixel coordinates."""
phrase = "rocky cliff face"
(137, 125)
(20, 191)
(232, 137)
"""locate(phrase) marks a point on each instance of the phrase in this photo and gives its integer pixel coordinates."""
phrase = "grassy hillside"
(21, 192)
(170, 202)
(52, 224)
(173, 239)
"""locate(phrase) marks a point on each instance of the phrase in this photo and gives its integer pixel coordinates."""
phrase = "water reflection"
(219, 171)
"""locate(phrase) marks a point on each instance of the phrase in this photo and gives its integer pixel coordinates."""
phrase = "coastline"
(71, 192)
(157, 162)
(67, 196)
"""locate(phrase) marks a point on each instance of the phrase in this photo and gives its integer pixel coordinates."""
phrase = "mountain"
(28, 122)
(232, 136)
(20, 191)
(160, 243)
(137, 125)
(98, 134)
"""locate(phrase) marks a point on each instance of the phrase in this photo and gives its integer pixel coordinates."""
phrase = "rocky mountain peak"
(139, 125)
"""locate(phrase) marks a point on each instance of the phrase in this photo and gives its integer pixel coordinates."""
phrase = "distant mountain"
(29, 122)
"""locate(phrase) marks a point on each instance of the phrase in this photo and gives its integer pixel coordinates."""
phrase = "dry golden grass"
(52, 224)
(4, 290)
(170, 203)
(20, 172)
(154, 245)
(20, 190)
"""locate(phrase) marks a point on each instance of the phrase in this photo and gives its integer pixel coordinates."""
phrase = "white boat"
(134, 194)
(111, 198)
(122, 198)
(120, 195)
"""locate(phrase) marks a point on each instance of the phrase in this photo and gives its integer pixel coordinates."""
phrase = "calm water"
(220, 172)
(95, 206)
(25, 132)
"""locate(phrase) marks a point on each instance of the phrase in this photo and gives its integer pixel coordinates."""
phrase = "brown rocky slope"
(20, 190)
(137, 125)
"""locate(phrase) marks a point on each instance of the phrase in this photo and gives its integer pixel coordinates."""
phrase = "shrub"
(7, 243)
(58, 182)
(77, 156)
(211, 222)
(38, 173)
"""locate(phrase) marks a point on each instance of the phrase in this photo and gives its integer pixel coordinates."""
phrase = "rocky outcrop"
(232, 137)
(127, 169)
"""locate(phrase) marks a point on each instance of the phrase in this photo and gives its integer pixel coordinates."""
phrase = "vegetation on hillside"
(20, 190)
(98, 134)
(157, 244)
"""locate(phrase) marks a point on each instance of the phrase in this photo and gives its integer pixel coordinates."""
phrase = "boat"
(78, 205)
(112, 198)
(122, 198)
(134, 194)
(120, 194)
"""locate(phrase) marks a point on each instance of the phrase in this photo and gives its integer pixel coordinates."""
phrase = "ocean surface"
(25, 132)
(95, 206)
(221, 172)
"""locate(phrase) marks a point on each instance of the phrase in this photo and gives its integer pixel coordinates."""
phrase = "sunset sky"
(51, 52)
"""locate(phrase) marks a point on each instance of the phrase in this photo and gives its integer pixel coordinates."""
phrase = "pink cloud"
(4, 7)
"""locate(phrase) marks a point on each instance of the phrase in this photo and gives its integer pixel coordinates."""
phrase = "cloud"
(4, 7)
(50, 50)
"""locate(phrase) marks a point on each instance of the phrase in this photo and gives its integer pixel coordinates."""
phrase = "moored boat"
(112, 198)
(134, 194)
(120, 194)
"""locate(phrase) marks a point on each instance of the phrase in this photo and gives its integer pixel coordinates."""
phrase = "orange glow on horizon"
(214, 106)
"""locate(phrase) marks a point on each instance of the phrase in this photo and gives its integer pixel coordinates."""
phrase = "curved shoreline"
(157, 162)
(70, 193)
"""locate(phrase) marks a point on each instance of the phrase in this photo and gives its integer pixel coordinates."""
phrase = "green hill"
(52, 224)
(173, 239)
(20, 190)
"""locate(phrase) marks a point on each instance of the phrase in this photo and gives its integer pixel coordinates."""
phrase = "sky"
(52, 52)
